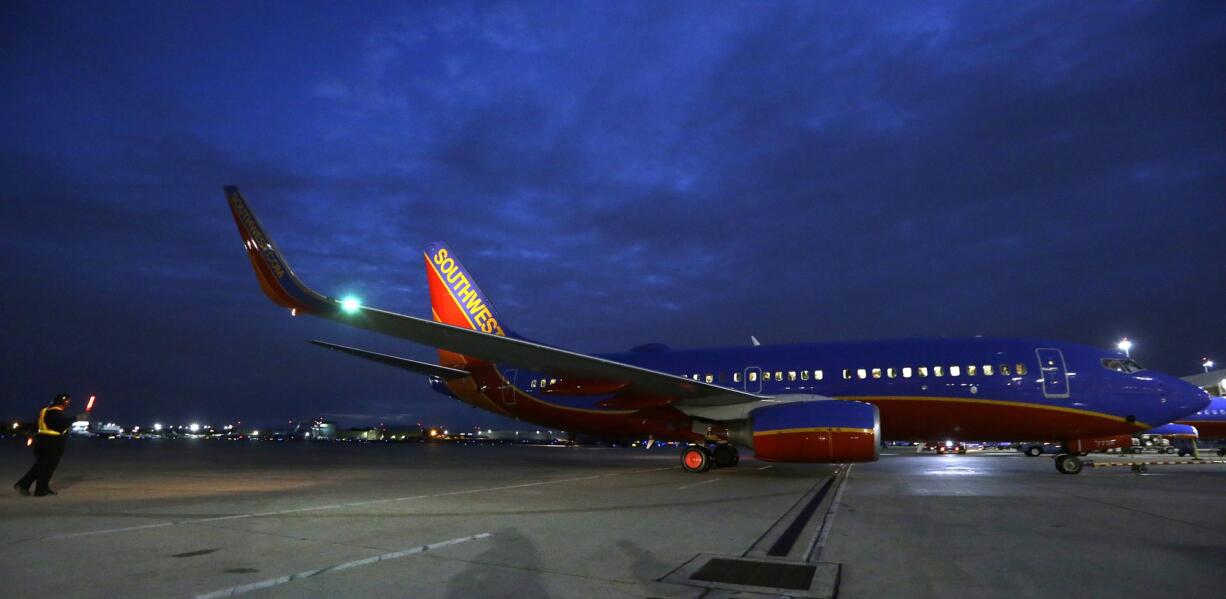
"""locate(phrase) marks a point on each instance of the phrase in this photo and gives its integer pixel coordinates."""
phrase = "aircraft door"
(508, 386)
(753, 380)
(1055, 373)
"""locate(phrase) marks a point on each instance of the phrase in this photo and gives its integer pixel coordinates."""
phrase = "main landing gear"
(1067, 463)
(698, 458)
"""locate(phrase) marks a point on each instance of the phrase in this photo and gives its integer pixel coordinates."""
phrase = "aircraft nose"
(1184, 398)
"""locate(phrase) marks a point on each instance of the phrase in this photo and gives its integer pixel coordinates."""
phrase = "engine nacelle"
(832, 430)
(1182, 431)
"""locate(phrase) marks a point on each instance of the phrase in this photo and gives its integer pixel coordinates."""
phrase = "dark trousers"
(47, 453)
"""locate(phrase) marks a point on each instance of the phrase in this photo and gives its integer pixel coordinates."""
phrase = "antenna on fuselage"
(754, 341)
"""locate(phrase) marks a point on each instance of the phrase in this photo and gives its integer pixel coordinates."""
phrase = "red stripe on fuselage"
(922, 418)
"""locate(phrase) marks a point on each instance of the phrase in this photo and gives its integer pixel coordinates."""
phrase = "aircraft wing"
(442, 372)
(284, 288)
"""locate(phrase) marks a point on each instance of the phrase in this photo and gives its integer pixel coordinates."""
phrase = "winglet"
(276, 277)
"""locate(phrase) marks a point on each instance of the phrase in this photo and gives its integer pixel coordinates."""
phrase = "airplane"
(1210, 421)
(818, 402)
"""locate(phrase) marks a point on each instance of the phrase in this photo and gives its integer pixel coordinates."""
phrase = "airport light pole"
(1207, 364)
(1125, 346)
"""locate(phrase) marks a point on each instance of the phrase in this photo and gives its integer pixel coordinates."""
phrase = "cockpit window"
(1125, 366)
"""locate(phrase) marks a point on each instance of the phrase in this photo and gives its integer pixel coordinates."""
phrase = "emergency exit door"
(1055, 373)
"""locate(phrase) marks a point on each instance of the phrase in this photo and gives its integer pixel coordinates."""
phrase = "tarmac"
(201, 518)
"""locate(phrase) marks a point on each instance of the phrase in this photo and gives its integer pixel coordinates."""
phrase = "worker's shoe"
(45, 493)
(21, 489)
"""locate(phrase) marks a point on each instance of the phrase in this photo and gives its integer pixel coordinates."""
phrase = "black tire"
(725, 455)
(696, 458)
(1068, 464)
(1183, 453)
(1034, 451)
(1169, 450)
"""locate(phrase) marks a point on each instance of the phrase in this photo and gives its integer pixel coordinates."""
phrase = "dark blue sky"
(613, 174)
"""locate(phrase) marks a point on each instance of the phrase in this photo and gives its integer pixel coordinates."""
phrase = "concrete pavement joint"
(272, 582)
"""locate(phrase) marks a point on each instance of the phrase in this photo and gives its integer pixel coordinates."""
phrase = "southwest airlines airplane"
(823, 402)
(1210, 422)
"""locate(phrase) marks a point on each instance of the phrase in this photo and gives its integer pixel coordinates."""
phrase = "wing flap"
(425, 368)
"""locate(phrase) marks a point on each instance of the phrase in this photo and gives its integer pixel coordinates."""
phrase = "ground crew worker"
(53, 425)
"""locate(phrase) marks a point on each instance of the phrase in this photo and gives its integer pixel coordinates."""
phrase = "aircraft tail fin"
(454, 296)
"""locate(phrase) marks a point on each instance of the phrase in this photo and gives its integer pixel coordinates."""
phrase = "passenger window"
(791, 375)
(533, 385)
(804, 375)
(1019, 368)
(553, 381)
(938, 371)
(736, 377)
(779, 375)
(817, 375)
(987, 370)
(1004, 370)
(971, 370)
(710, 378)
(906, 372)
(861, 373)
(876, 373)
(753, 376)
(890, 372)
(922, 371)
(955, 371)
(847, 374)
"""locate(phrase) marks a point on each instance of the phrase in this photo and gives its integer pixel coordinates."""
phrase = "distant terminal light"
(193, 427)
(351, 304)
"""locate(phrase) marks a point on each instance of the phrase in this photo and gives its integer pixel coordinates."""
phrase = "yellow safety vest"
(42, 421)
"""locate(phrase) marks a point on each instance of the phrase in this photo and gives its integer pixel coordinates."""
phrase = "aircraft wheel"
(1221, 453)
(695, 458)
(1034, 452)
(1170, 450)
(725, 455)
(1068, 464)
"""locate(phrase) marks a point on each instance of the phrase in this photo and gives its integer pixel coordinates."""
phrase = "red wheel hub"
(693, 459)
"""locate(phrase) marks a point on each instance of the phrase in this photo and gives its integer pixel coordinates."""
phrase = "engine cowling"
(831, 430)
(1183, 431)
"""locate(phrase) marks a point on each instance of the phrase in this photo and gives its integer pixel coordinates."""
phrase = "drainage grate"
(756, 573)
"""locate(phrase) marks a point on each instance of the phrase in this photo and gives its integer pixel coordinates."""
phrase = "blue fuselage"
(973, 389)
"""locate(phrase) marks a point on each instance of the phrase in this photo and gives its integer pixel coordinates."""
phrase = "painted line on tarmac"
(765, 467)
(272, 582)
(336, 506)
(712, 480)
(110, 530)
